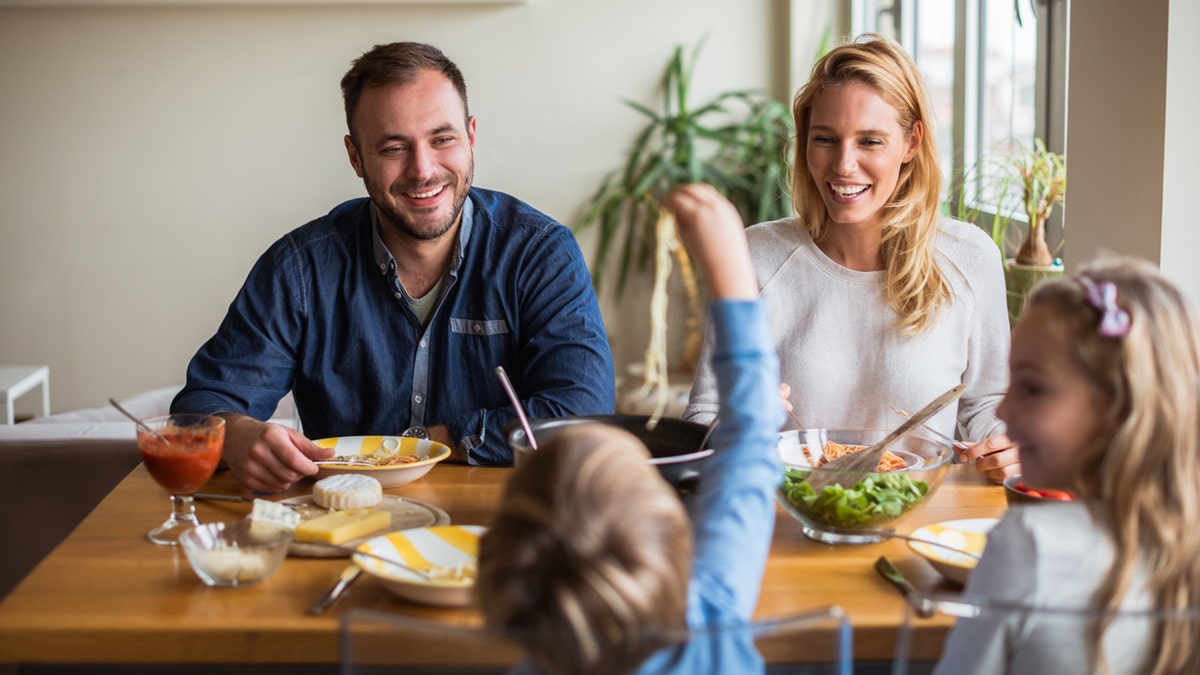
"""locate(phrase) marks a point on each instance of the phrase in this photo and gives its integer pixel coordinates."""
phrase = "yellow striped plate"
(969, 535)
(393, 475)
(442, 549)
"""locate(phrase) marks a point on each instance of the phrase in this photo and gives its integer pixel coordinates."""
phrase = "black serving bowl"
(669, 438)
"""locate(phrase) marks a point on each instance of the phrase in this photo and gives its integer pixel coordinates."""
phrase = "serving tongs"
(852, 468)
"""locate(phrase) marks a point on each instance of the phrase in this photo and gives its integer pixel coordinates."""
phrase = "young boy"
(591, 555)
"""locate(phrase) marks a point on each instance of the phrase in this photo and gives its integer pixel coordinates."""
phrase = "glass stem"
(183, 509)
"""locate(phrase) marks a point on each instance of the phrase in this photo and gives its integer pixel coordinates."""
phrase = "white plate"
(422, 548)
(394, 475)
(968, 535)
(406, 514)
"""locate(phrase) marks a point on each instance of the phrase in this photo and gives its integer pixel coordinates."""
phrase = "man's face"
(415, 151)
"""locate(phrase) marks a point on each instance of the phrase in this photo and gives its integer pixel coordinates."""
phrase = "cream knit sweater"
(841, 353)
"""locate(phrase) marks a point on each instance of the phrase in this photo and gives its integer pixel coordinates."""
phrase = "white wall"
(148, 154)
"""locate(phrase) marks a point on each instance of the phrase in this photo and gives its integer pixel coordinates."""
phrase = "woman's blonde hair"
(589, 553)
(1143, 467)
(914, 286)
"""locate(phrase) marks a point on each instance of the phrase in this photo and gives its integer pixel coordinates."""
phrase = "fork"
(934, 432)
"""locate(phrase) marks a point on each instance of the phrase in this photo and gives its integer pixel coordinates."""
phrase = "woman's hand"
(997, 457)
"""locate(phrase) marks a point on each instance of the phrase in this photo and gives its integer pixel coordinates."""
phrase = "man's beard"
(393, 218)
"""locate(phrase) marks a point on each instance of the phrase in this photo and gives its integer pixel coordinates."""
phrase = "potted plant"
(737, 142)
(1028, 184)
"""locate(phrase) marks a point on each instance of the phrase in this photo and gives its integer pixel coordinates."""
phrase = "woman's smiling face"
(856, 147)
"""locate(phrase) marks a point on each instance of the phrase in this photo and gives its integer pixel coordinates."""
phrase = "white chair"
(991, 636)
(816, 642)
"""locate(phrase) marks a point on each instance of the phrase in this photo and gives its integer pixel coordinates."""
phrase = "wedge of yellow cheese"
(342, 526)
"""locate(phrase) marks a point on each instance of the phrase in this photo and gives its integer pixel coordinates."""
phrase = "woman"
(875, 300)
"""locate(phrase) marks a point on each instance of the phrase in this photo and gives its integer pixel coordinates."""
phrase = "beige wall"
(148, 154)
(1131, 147)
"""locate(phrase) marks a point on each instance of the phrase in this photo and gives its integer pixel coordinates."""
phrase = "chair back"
(817, 642)
(996, 636)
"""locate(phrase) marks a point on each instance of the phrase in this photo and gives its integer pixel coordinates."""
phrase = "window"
(995, 70)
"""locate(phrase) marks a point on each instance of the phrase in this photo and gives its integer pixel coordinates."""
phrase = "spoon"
(938, 544)
(516, 402)
(854, 466)
(679, 459)
(703, 441)
(138, 422)
(342, 462)
(357, 552)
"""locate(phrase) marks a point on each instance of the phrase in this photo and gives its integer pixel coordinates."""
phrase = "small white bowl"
(230, 554)
(445, 547)
(802, 448)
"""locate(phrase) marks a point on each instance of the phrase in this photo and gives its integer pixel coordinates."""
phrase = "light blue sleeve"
(735, 509)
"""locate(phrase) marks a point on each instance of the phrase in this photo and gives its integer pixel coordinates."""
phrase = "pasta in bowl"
(864, 508)
(392, 460)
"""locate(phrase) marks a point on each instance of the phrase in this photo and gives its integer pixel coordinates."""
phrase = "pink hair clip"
(1114, 321)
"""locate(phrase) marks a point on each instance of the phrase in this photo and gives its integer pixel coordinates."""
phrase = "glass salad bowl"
(865, 507)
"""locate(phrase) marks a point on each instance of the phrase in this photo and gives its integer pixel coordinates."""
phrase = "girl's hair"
(590, 553)
(1143, 466)
(914, 285)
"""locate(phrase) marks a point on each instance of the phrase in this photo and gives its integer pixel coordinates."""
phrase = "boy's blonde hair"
(914, 286)
(589, 553)
(1143, 467)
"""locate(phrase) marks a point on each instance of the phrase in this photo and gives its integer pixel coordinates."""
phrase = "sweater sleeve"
(735, 507)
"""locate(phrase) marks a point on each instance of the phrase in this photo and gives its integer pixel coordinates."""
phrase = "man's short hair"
(399, 63)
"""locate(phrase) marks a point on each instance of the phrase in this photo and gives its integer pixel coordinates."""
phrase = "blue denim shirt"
(320, 315)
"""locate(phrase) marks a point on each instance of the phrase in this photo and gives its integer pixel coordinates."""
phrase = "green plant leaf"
(734, 141)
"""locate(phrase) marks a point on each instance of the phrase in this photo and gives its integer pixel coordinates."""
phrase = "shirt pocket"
(478, 326)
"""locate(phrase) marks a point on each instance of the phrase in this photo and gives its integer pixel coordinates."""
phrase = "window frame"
(1050, 90)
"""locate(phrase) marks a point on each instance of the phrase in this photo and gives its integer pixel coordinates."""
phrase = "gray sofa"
(54, 470)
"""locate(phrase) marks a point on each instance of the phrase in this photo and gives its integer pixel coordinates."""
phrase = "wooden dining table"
(106, 595)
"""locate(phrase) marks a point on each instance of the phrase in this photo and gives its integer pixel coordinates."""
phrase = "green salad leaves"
(880, 496)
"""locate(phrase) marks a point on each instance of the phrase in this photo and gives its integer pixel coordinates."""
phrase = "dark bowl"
(1014, 496)
(671, 437)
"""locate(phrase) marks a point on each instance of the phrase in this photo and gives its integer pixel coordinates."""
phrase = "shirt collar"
(387, 264)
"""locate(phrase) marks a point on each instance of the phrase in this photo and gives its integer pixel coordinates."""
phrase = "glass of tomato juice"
(181, 453)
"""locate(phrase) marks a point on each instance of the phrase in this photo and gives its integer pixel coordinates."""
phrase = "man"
(390, 314)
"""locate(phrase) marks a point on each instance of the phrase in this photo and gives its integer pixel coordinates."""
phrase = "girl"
(1104, 372)
(875, 300)
(591, 551)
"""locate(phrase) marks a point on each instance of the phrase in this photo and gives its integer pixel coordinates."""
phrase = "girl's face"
(1051, 409)
(856, 147)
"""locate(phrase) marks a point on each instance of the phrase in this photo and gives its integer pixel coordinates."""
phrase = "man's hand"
(997, 457)
(268, 457)
(441, 434)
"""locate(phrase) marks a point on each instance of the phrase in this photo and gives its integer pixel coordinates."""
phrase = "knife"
(338, 590)
(888, 571)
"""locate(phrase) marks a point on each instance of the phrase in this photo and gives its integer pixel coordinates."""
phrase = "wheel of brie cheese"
(347, 491)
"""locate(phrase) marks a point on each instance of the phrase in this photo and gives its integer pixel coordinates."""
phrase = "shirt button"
(417, 398)
(478, 328)
(423, 343)
(383, 266)
(397, 295)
